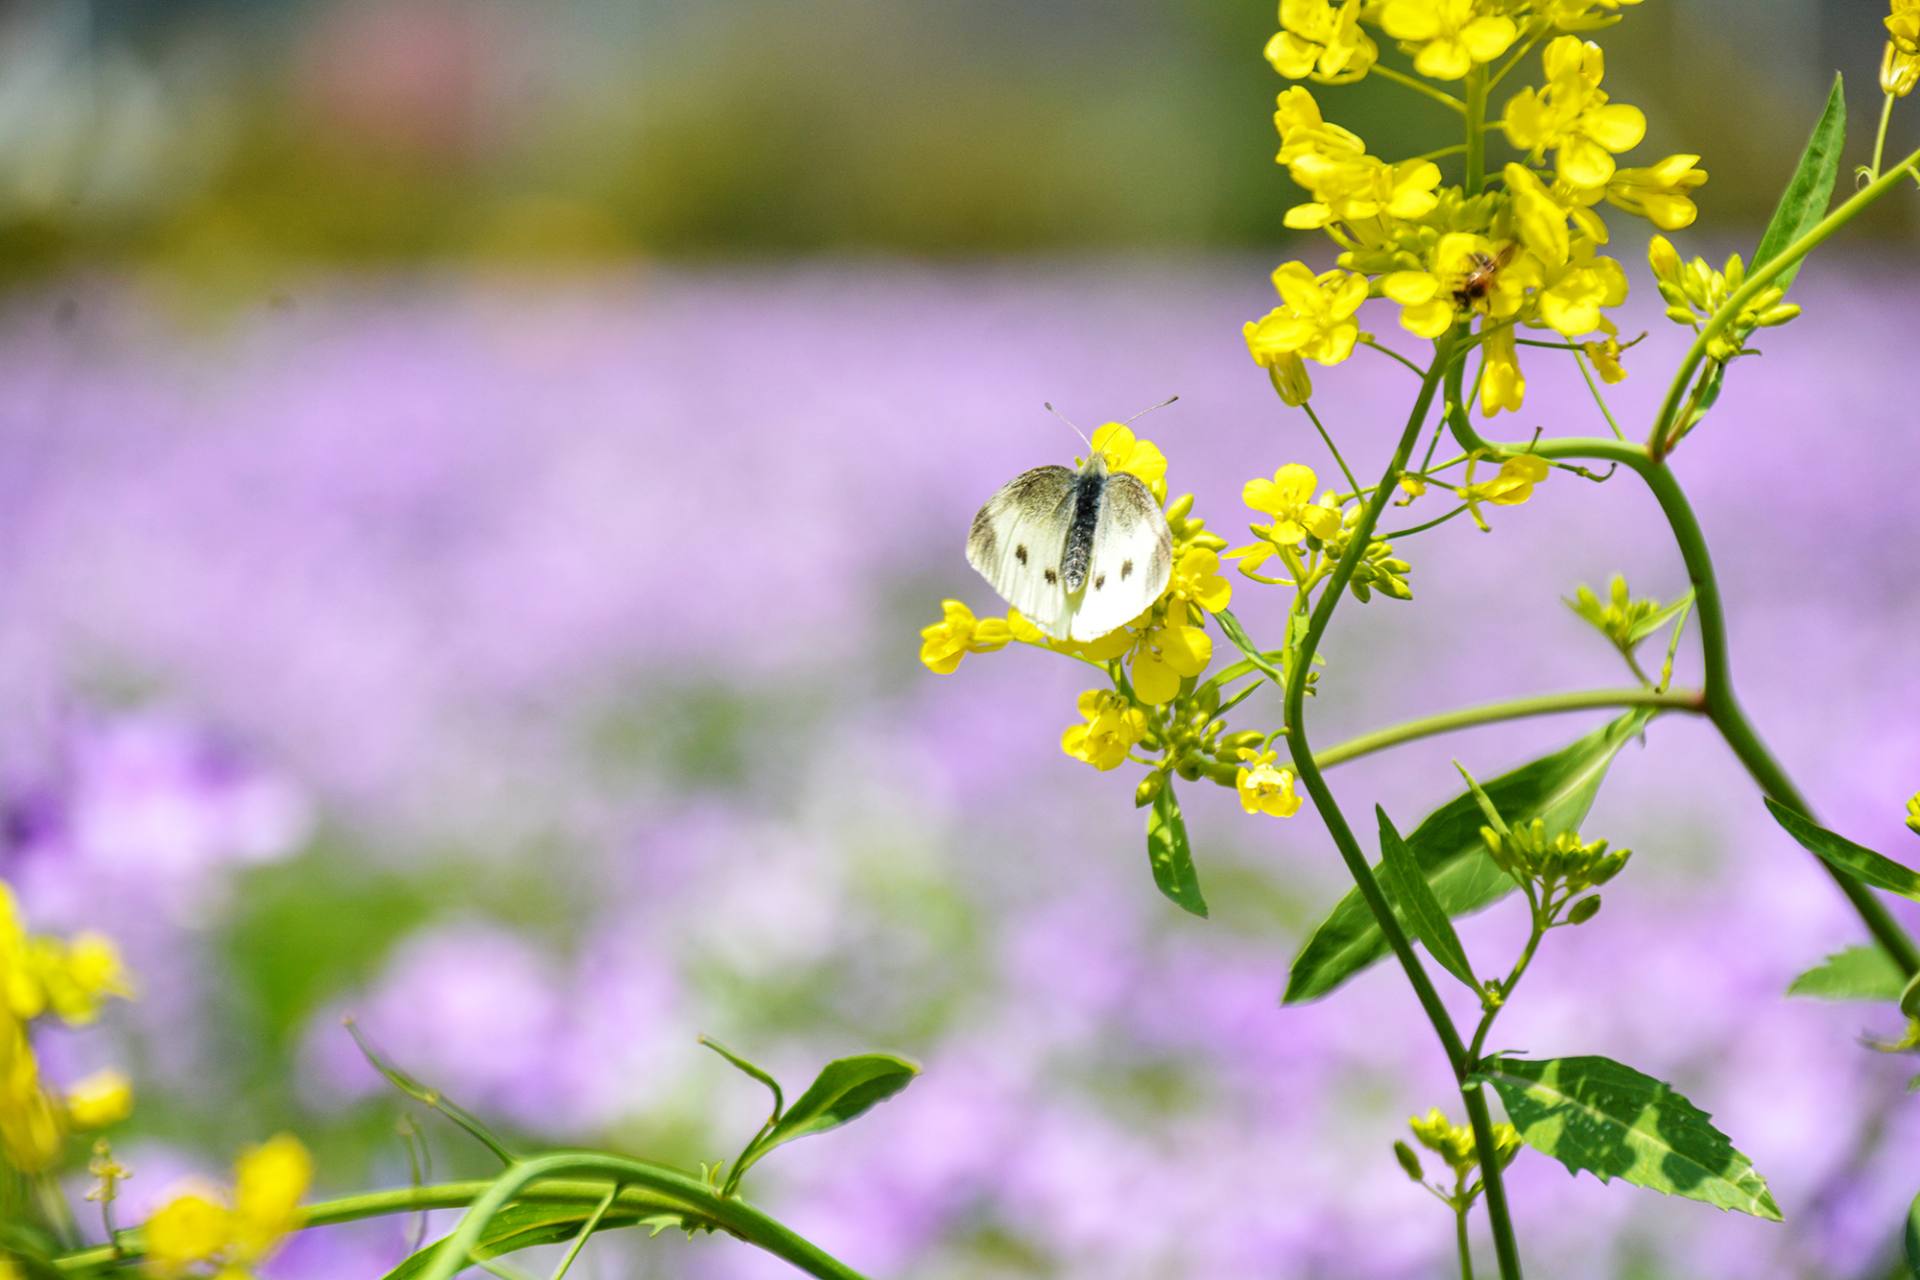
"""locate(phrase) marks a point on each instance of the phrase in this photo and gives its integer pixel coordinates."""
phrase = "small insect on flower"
(1080, 554)
(1476, 282)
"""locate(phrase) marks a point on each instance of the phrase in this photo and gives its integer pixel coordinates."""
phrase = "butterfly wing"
(1017, 542)
(1132, 560)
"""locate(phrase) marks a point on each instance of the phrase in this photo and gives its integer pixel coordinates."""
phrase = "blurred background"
(472, 475)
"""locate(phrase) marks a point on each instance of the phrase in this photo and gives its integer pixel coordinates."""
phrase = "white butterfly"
(1079, 553)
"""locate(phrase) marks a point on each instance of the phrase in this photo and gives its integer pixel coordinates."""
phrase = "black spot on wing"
(1020, 554)
(1126, 570)
(1100, 582)
(1053, 579)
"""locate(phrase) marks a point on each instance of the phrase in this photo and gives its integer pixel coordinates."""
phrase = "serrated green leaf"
(1858, 861)
(1558, 789)
(1810, 190)
(1596, 1114)
(845, 1089)
(1170, 856)
(1857, 973)
(526, 1226)
(1407, 887)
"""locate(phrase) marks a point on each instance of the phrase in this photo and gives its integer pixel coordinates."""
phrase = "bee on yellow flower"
(1265, 787)
(1469, 272)
(203, 1231)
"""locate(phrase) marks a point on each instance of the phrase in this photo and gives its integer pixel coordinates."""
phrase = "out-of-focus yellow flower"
(1660, 193)
(1581, 15)
(1511, 485)
(1913, 813)
(1113, 725)
(1502, 385)
(1572, 117)
(198, 1231)
(98, 1100)
(1348, 188)
(1126, 452)
(1447, 37)
(30, 1130)
(1899, 70)
(1288, 498)
(959, 633)
(1605, 355)
(1321, 39)
(1302, 129)
(1903, 25)
(1315, 318)
(1263, 786)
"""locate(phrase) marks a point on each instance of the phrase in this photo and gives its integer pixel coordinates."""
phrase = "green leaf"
(1558, 789)
(525, 1226)
(1231, 628)
(1407, 886)
(1596, 1114)
(750, 1069)
(1841, 854)
(1658, 619)
(845, 1089)
(1858, 973)
(1805, 200)
(1910, 997)
(1170, 855)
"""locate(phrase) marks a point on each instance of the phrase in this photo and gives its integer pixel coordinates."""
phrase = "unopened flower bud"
(1584, 910)
(1409, 1162)
(1149, 789)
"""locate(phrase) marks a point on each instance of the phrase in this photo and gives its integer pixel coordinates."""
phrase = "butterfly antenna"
(1063, 417)
(1149, 409)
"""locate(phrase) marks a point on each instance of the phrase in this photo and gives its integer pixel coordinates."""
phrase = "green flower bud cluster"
(1562, 863)
(1190, 530)
(1694, 292)
(1622, 619)
(1378, 569)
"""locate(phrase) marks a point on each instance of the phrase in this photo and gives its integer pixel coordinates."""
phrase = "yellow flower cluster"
(1455, 1145)
(204, 1231)
(1526, 249)
(65, 980)
(1900, 65)
(1264, 786)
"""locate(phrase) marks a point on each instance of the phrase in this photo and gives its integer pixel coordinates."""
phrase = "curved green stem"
(1660, 440)
(1421, 87)
(1351, 852)
(1510, 709)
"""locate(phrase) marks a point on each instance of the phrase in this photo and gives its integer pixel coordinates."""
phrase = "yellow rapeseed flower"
(1288, 498)
(1428, 301)
(1448, 37)
(1903, 26)
(1113, 725)
(1660, 193)
(1263, 786)
(1581, 15)
(1322, 40)
(1314, 320)
(1572, 117)
(1913, 813)
(1899, 70)
(199, 1231)
(1196, 580)
(1163, 656)
(1510, 487)
(1502, 385)
(101, 1099)
(1605, 355)
(959, 633)
(1126, 452)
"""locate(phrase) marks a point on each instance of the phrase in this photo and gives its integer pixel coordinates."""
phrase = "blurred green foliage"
(231, 140)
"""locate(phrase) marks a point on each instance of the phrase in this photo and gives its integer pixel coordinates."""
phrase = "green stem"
(1462, 1245)
(1418, 86)
(587, 1229)
(1660, 440)
(1880, 138)
(1350, 850)
(1519, 970)
(1580, 361)
(1327, 440)
(1476, 113)
(1385, 350)
(544, 1180)
(1497, 712)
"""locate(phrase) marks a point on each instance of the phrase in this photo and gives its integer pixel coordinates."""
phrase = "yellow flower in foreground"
(959, 633)
(1263, 786)
(1197, 581)
(1140, 458)
(1660, 193)
(1903, 25)
(1315, 318)
(1605, 355)
(1288, 498)
(1571, 116)
(101, 1099)
(1321, 39)
(1164, 656)
(1448, 36)
(198, 1230)
(1899, 71)
(1113, 725)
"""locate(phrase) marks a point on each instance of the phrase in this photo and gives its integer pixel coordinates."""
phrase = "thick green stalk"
(1476, 175)
(1350, 849)
(1546, 704)
(1660, 440)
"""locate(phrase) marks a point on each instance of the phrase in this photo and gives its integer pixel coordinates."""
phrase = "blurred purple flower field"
(531, 673)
